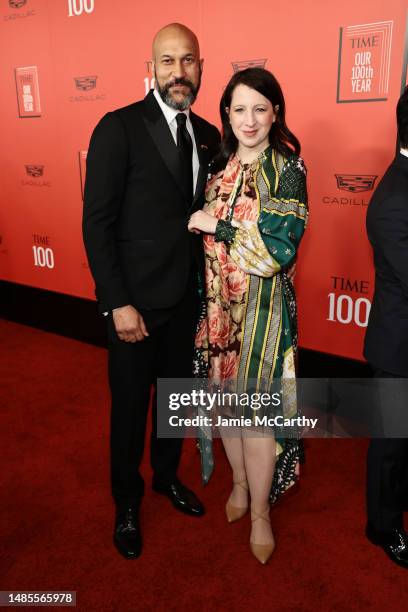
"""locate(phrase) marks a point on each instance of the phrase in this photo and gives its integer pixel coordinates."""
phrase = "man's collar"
(404, 152)
(168, 112)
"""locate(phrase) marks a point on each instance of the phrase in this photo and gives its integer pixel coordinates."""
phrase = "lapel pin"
(204, 147)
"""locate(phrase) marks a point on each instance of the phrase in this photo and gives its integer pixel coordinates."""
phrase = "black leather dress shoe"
(182, 498)
(127, 537)
(394, 544)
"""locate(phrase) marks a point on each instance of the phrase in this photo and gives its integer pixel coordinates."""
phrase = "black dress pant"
(133, 369)
(387, 462)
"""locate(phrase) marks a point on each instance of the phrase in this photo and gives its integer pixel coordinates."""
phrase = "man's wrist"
(106, 313)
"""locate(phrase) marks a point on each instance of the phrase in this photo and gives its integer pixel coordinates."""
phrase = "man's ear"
(201, 63)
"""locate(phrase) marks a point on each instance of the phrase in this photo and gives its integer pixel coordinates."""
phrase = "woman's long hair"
(280, 137)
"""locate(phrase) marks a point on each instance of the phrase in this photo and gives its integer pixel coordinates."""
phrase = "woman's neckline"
(255, 161)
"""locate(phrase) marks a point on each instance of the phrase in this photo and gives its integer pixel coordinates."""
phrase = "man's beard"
(189, 98)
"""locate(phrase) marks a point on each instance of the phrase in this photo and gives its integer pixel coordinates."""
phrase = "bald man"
(146, 172)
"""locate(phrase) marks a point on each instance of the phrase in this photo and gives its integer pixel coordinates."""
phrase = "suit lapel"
(160, 132)
(401, 161)
(202, 158)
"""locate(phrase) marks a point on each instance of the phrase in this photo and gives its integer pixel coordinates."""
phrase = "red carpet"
(56, 510)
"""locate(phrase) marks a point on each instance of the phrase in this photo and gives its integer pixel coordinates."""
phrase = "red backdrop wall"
(67, 62)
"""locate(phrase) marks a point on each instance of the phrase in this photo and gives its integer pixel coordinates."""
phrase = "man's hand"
(129, 324)
(201, 221)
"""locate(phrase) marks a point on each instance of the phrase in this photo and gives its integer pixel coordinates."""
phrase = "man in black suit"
(147, 166)
(386, 349)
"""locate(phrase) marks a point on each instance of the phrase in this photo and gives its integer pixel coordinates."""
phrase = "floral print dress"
(248, 329)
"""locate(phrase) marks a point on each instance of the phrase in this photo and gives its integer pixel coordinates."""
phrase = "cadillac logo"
(34, 170)
(85, 83)
(17, 3)
(355, 182)
(257, 63)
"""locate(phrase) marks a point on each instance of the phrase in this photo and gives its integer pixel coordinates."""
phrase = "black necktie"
(185, 147)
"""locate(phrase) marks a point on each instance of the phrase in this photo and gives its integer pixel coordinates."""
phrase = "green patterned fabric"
(225, 232)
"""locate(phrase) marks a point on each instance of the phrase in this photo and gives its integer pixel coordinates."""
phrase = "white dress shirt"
(170, 116)
(404, 152)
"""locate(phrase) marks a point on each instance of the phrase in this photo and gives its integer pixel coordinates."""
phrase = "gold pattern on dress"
(248, 326)
(249, 251)
(273, 335)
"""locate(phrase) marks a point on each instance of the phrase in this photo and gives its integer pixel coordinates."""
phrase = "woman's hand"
(201, 221)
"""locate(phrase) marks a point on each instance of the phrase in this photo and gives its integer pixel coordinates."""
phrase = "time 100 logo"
(345, 308)
(42, 252)
(77, 7)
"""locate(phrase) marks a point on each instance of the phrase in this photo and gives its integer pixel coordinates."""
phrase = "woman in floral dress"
(253, 221)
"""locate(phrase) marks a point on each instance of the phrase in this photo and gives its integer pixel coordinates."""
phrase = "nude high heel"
(234, 513)
(262, 552)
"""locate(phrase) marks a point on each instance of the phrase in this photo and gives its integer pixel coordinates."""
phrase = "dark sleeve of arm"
(392, 237)
(106, 170)
(215, 141)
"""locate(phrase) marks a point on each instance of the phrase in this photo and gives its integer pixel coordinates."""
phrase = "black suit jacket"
(386, 341)
(135, 211)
